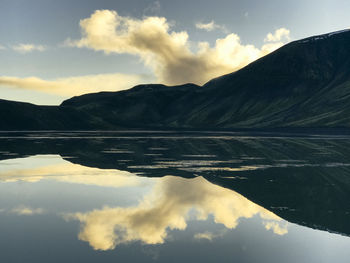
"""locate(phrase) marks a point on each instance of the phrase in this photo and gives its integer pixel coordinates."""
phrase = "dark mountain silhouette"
(27, 116)
(305, 83)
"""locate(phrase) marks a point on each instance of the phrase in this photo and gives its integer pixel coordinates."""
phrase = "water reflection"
(168, 207)
(302, 179)
(39, 167)
(130, 193)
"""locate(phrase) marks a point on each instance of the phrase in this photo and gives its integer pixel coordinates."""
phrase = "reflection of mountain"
(170, 203)
(303, 84)
(303, 180)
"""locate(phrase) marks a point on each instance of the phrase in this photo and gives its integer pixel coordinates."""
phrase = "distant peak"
(324, 36)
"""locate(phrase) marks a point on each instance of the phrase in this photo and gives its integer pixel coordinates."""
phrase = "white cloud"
(73, 86)
(2, 47)
(167, 52)
(210, 26)
(26, 48)
(279, 35)
(165, 208)
(276, 40)
(26, 211)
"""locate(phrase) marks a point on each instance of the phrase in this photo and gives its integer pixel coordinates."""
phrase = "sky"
(52, 50)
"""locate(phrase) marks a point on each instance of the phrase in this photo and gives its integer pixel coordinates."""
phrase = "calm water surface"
(174, 197)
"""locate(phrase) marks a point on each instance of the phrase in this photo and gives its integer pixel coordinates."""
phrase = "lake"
(145, 196)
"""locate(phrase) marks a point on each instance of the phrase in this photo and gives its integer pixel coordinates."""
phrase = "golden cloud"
(74, 86)
(167, 52)
(167, 207)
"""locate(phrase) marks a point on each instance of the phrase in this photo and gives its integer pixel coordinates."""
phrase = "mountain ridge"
(304, 84)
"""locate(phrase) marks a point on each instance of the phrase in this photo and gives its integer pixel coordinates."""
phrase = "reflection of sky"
(53, 167)
(116, 209)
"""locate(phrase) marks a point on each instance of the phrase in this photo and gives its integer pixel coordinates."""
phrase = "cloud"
(26, 211)
(165, 208)
(168, 53)
(54, 168)
(2, 47)
(276, 40)
(279, 35)
(152, 8)
(26, 48)
(210, 26)
(73, 86)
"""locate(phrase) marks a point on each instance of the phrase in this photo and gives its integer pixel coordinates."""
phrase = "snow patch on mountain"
(315, 38)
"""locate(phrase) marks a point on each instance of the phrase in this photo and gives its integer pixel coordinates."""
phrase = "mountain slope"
(27, 116)
(305, 83)
(141, 106)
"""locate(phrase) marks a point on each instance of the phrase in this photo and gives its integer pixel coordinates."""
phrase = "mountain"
(27, 116)
(305, 83)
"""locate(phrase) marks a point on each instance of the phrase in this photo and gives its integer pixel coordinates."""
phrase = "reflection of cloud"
(166, 207)
(76, 85)
(26, 211)
(207, 235)
(26, 48)
(276, 228)
(64, 171)
(167, 52)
